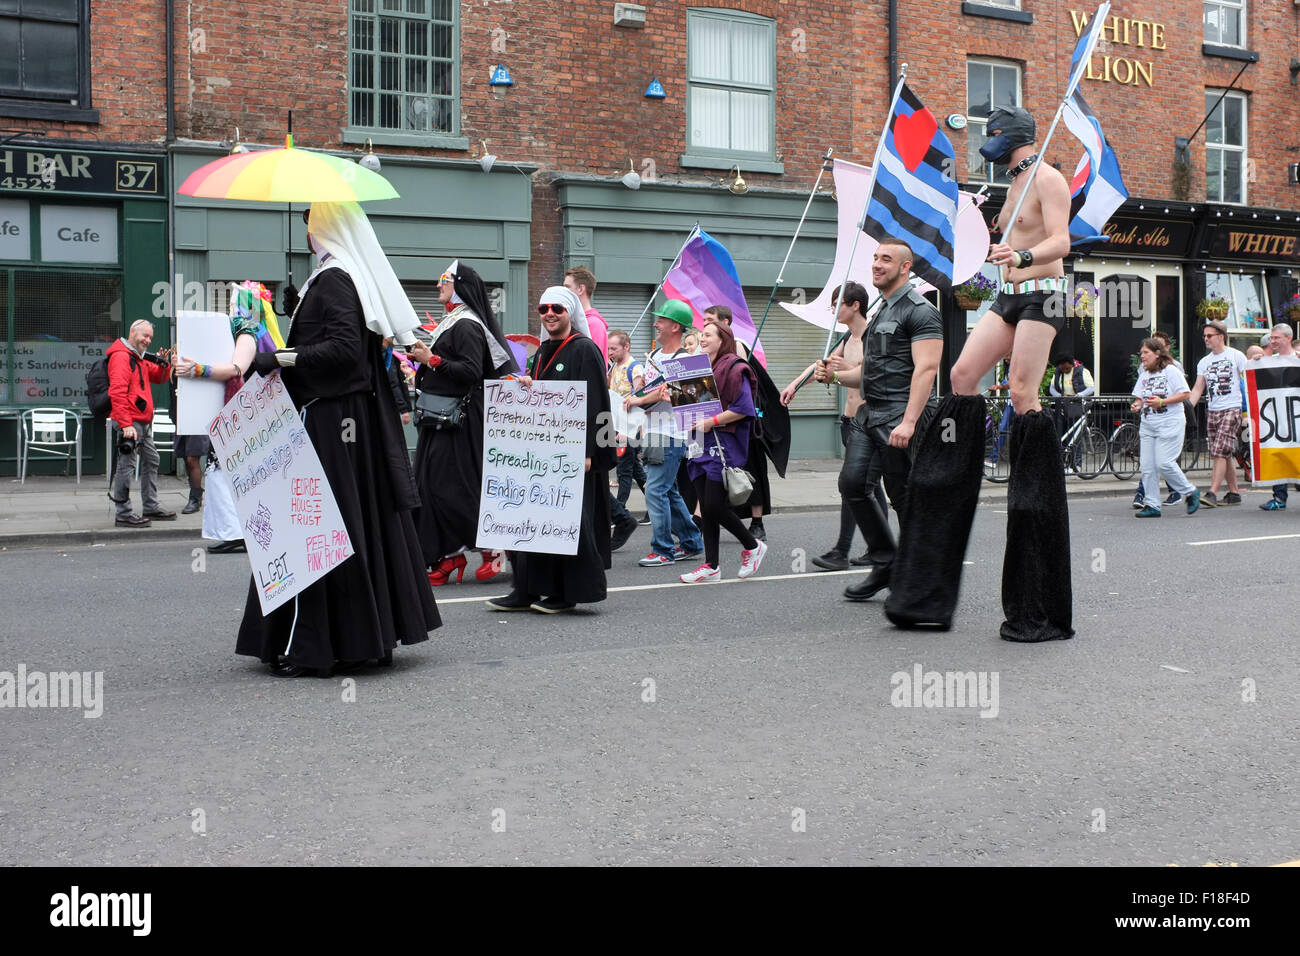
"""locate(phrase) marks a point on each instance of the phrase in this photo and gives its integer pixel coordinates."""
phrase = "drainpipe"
(171, 138)
(893, 50)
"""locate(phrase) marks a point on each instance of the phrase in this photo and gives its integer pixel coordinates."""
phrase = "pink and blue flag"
(704, 275)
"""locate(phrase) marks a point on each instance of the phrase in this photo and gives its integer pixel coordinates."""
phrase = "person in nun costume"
(467, 347)
(333, 369)
(552, 583)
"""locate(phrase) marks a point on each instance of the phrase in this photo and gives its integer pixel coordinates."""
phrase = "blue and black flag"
(914, 197)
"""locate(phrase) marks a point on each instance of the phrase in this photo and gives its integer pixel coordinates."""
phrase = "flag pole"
(695, 229)
(1070, 87)
(780, 275)
(875, 165)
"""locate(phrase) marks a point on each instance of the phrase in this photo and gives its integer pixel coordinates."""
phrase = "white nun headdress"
(342, 230)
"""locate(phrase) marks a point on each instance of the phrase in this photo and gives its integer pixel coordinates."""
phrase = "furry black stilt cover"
(1036, 594)
(942, 493)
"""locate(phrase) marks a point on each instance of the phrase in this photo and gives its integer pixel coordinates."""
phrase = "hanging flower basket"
(975, 291)
(1293, 313)
(1213, 309)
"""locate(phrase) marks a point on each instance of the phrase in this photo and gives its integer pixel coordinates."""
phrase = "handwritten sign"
(534, 465)
(292, 524)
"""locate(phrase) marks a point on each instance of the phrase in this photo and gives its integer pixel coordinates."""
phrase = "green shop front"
(630, 239)
(83, 245)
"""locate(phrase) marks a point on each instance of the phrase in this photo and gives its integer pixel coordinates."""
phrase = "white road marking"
(1266, 537)
(678, 584)
(1176, 670)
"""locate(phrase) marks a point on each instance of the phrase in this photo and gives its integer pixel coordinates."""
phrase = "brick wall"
(1140, 120)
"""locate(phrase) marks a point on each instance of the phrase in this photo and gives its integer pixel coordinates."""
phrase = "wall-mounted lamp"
(369, 160)
(737, 186)
(631, 178)
(239, 147)
(487, 159)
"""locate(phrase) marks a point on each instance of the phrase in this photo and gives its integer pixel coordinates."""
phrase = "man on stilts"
(945, 478)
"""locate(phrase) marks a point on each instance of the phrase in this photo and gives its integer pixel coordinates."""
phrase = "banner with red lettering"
(1273, 403)
(291, 521)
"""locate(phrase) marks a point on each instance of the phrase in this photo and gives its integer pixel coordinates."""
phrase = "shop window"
(44, 58)
(989, 84)
(60, 324)
(1225, 147)
(731, 86)
(1225, 22)
(404, 70)
(1246, 295)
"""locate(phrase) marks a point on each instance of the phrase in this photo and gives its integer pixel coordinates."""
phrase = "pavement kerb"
(105, 537)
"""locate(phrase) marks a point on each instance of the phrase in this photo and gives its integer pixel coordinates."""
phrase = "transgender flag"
(704, 275)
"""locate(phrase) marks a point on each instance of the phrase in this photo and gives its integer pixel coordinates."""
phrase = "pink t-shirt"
(599, 332)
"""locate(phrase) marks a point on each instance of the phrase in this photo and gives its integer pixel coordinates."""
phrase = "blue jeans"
(1280, 492)
(669, 515)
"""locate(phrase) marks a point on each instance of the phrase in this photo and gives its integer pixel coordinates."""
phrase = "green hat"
(678, 311)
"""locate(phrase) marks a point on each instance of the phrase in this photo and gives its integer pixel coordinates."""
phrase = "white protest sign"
(292, 524)
(534, 455)
(203, 337)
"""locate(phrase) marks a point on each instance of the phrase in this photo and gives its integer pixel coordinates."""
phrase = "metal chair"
(164, 439)
(45, 430)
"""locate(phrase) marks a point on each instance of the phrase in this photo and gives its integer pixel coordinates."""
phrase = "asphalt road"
(1164, 733)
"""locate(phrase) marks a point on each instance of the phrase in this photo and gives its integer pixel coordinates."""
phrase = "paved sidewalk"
(47, 511)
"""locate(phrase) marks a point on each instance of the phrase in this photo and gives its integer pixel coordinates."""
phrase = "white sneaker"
(702, 575)
(750, 560)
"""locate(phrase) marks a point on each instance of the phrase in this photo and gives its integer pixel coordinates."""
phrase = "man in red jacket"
(130, 375)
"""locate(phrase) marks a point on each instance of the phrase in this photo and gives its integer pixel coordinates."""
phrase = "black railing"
(1104, 442)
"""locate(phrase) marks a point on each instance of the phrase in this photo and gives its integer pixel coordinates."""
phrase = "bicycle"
(1125, 451)
(997, 432)
(1084, 449)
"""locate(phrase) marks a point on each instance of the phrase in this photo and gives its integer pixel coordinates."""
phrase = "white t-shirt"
(1222, 374)
(1162, 384)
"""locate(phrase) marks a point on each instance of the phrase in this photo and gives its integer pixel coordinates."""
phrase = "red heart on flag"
(912, 136)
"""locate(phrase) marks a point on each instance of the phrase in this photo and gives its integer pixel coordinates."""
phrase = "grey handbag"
(738, 482)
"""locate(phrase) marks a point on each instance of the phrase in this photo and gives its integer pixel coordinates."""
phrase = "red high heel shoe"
(494, 562)
(442, 573)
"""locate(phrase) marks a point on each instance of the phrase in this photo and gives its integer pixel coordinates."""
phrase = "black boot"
(1036, 592)
(195, 502)
(934, 527)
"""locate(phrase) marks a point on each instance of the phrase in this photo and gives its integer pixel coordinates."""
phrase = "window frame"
(355, 133)
(1243, 148)
(1235, 308)
(1222, 5)
(76, 108)
(713, 158)
(981, 122)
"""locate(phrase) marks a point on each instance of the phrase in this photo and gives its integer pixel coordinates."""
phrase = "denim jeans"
(629, 472)
(868, 457)
(669, 516)
(1159, 459)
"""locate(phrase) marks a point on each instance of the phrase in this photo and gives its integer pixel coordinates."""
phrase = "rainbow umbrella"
(286, 175)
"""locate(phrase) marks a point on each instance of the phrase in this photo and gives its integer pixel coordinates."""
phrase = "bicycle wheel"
(997, 452)
(1125, 451)
(1190, 454)
(1091, 449)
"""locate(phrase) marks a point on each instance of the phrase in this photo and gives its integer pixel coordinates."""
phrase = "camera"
(125, 446)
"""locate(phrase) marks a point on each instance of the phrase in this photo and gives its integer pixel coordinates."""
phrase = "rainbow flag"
(705, 275)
